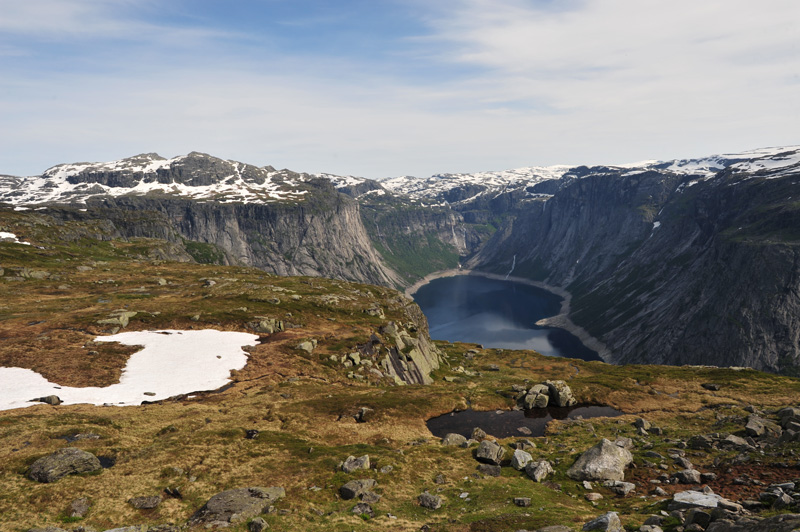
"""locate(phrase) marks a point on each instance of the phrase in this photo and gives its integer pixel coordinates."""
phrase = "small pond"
(505, 423)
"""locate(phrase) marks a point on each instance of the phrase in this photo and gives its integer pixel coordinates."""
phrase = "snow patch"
(4, 237)
(170, 363)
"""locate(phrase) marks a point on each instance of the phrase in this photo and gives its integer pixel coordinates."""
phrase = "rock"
(687, 476)
(454, 439)
(478, 434)
(251, 434)
(523, 502)
(307, 346)
(79, 507)
(370, 497)
(363, 508)
(490, 453)
(49, 399)
(233, 506)
(520, 459)
(737, 443)
(354, 464)
(642, 423)
(145, 503)
(593, 496)
(490, 470)
(757, 426)
(524, 445)
(711, 386)
(257, 525)
(524, 430)
(354, 488)
(697, 516)
(650, 528)
(604, 461)
(608, 523)
(694, 499)
(619, 487)
(536, 400)
(560, 394)
(538, 471)
(67, 461)
(432, 502)
(554, 528)
(48, 529)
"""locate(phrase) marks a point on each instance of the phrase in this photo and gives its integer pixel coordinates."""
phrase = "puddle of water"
(504, 423)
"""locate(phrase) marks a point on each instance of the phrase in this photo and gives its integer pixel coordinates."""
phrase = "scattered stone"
(67, 461)
(354, 488)
(554, 528)
(307, 346)
(432, 502)
(619, 487)
(560, 394)
(642, 423)
(711, 386)
(440, 479)
(354, 464)
(145, 503)
(490, 452)
(520, 459)
(386, 469)
(687, 476)
(257, 525)
(523, 502)
(524, 430)
(79, 507)
(370, 497)
(538, 471)
(490, 470)
(233, 506)
(363, 508)
(694, 499)
(604, 461)
(251, 434)
(536, 400)
(607, 523)
(593, 496)
(455, 440)
(478, 434)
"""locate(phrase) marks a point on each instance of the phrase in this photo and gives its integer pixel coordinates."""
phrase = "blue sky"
(395, 87)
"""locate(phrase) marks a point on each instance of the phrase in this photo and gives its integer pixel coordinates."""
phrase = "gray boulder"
(758, 426)
(354, 464)
(520, 459)
(354, 488)
(606, 523)
(233, 506)
(79, 507)
(490, 453)
(257, 525)
(432, 502)
(490, 470)
(604, 461)
(454, 439)
(67, 461)
(687, 476)
(560, 394)
(554, 528)
(363, 508)
(538, 471)
(145, 503)
(49, 399)
(536, 400)
(619, 487)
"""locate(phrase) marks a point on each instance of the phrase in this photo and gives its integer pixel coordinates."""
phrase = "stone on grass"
(490, 453)
(490, 470)
(605, 523)
(79, 507)
(522, 501)
(363, 508)
(604, 461)
(454, 439)
(259, 524)
(145, 503)
(520, 459)
(432, 502)
(233, 506)
(67, 461)
(354, 464)
(538, 471)
(687, 476)
(560, 394)
(354, 488)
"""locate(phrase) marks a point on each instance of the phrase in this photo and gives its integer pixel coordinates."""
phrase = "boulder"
(694, 499)
(354, 464)
(145, 503)
(604, 461)
(520, 459)
(536, 400)
(522, 502)
(454, 439)
(619, 487)
(538, 471)
(478, 434)
(490, 452)
(236, 505)
(257, 525)
(432, 502)
(354, 488)
(758, 426)
(642, 423)
(363, 508)
(490, 470)
(554, 528)
(687, 476)
(606, 523)
(79, 507)
(49, 399)
(560, 394)
(67, 461)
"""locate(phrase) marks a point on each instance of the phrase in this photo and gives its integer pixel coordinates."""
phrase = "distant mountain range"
(693, 261)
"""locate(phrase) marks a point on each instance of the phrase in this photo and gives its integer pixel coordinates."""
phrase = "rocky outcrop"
(236, 505)
(604, 461)
(68, 461)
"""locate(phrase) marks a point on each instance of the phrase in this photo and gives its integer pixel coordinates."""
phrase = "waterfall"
(513, 264)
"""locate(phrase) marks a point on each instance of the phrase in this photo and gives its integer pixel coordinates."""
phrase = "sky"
(383, 88)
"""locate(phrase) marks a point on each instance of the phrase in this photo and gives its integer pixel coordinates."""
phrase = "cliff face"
(322, 236)
(662, 272)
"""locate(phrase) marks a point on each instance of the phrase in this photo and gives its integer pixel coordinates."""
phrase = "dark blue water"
(495, 313)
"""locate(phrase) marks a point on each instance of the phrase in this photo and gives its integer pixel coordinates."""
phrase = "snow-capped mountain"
(196, 176)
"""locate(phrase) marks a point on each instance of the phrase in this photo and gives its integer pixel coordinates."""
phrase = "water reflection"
(505, 423)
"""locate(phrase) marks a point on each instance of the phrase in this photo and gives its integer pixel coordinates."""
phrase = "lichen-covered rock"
(145, 503)
(67, 461)
(605, 523)
(354, 488)
(454, 439)
(560, 394)
(538, 471)
(520, 459)
(604, 461)
(233, 506)
(354, 464)
(490, 453)
(432, 502)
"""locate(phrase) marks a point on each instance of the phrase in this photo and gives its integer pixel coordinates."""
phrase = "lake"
(496, 313)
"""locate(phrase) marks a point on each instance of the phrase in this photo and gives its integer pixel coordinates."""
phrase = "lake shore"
(560, 320)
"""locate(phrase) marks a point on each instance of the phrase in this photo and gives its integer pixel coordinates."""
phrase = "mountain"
(679, 262)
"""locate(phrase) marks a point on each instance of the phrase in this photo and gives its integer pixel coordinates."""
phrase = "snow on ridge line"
(171, 362)
(12, 237)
